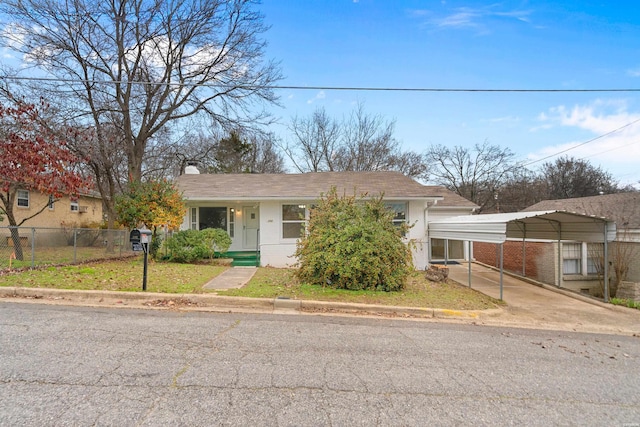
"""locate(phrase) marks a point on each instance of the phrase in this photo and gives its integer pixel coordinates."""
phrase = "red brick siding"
(489, 253)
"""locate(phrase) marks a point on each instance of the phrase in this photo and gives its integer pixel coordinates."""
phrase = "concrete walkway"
(545, 306)
(235, 277)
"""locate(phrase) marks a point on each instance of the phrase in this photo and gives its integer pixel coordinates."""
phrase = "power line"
(327, 88)
(583, 143)
(611, 149)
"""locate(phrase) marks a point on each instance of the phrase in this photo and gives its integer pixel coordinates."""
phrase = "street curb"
(228, 303)
(309, 305)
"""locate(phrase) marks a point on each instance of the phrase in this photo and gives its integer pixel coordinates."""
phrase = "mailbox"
(145, 236)
(140, 240)
(135, 239)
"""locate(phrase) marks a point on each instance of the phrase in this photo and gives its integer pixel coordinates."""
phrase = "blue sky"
(471, 45)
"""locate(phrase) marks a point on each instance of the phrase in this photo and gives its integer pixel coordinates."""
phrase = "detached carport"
(541, 225)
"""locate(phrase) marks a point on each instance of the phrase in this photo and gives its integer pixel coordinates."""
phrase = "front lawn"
(117, 275)
(419, 292)
(126, 275)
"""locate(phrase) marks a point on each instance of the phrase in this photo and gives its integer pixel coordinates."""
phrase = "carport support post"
(446, 251)
(145, 247)
(606, 265)
(469, 256)
(501, 267)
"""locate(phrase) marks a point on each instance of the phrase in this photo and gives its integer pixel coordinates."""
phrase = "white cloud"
(634, 72)
(319, 95)
(609, 134)
(505, 119)
(471, 18)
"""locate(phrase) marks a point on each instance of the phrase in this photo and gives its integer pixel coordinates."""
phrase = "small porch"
(244, 258)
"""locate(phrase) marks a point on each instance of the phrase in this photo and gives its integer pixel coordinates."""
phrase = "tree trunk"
(17, 244)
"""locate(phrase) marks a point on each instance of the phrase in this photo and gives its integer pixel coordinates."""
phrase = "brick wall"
(90, 213)
(538, 257)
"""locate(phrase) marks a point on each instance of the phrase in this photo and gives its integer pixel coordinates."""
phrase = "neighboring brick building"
(540, 258)
(82, 211)
(579, 259)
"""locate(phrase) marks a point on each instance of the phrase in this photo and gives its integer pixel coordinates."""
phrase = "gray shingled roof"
(451, 199)
(394, 185)
(623, 208)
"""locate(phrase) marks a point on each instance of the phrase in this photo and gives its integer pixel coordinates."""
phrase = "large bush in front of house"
(194, 245)
(352, 243)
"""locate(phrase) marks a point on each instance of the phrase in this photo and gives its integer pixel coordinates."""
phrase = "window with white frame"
(571, 258)
(400, 211)
(74, 206)
(23, 198)
(293, 221)
(194, 218)
(51, 202)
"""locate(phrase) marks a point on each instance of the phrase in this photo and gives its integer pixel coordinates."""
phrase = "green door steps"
(243, 259)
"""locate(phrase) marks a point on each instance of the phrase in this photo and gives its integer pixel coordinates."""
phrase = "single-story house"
(581, 266)
(265, 214)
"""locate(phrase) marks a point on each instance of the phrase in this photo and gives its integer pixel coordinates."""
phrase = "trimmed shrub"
(353, 244)
(217, 240)
(193, 245)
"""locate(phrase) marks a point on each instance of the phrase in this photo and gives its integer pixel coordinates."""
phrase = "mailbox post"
(140, 240)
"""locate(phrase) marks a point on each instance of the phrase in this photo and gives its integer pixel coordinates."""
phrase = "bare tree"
(142, 64)
(103, 156)
(521, 189)
(315, 142)
(368, 143)
(568, 177)
(264, 156)
(240, 151)
(476, 174)
(363, 142)
(624, 209)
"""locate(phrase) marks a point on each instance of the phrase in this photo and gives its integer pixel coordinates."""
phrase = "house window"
(51, 202)
(293, 221)
(455, 249)
(23, 198)
(400, 210)
(74, 206)
(571, 258)
(194, 218)
(215, 217)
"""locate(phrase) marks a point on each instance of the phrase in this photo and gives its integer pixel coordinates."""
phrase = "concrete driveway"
(545, 307)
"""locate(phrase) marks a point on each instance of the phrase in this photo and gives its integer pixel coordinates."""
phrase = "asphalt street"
(65, 365)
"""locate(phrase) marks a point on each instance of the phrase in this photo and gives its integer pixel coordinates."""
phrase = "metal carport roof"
(538, 225)
(542, 225)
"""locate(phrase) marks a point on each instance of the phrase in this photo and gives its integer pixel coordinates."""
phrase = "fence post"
(75, 246)
(33, 247)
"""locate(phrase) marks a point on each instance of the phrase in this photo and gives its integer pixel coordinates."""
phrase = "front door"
(250, 226)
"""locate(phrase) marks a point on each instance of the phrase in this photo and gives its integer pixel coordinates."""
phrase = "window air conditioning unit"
(83, 209)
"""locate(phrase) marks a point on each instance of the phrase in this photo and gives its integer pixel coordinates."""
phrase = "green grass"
(626, 302)
(126, 275)
(58, 255)
(419, 292)
(119, 275)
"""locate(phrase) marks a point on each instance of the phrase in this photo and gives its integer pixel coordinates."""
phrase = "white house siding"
(418, 234)
(237, 239)
(274, 250)
(438, 212)
(278, 252)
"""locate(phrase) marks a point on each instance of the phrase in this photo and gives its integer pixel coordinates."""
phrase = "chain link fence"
(37, 246)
